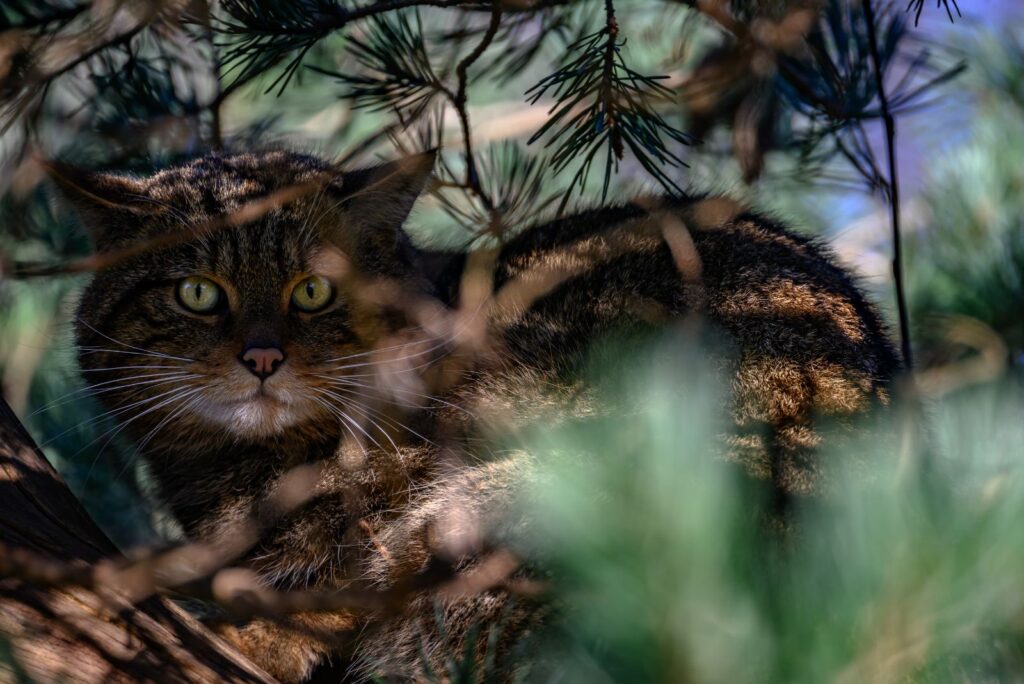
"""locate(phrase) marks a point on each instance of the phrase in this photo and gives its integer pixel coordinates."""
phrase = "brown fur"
(807, 345)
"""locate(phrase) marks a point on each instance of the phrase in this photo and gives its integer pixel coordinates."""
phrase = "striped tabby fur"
(217, 440)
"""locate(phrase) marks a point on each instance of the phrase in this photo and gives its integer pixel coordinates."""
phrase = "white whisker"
(396, 360)
(109, 414)
(345, 381)
(129, 346)
(141, 445)
(374, 351)
(338, 414)
(353, 422)
(138, 367)
(122, 384)
(105, 350)
(362, 408)
(179, 393)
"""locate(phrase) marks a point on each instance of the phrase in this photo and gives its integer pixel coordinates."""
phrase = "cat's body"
(420, 400)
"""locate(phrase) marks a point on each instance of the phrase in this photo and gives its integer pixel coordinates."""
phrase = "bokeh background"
(915, 571)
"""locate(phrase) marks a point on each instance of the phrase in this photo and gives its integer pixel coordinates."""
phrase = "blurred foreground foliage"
(909, 570)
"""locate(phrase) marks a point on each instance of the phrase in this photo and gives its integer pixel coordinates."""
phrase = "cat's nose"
(262, 361)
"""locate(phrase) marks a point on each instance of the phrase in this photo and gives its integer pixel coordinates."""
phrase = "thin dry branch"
(893, 186)
(248, 212)
(459, 100)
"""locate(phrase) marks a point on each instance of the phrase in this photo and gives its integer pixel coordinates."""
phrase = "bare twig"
(987, 363)
(459, 101)
(248, 212)
(216, 104)
(241, 591)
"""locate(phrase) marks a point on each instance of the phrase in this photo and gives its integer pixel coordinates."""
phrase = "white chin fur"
(260, 416)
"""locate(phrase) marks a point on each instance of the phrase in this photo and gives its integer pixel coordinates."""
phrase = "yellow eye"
(199, 294)
(312, 294)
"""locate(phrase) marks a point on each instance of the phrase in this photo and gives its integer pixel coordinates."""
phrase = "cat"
(246, 343)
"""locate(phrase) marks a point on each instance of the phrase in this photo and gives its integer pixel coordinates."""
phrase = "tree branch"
(64, 630)
(607, 92)
(459, 101)
(894, 186)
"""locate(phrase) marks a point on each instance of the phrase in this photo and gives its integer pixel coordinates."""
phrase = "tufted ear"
(106, 203)
(381, 197)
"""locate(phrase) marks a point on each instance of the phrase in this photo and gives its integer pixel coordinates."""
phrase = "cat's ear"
(106, 203)
(381, 197)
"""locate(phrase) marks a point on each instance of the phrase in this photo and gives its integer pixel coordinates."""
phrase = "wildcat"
(245, 344)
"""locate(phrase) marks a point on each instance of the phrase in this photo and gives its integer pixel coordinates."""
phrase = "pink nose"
(262, 362)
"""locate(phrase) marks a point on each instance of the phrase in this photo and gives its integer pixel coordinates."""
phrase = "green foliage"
(617, 113)
(969, 258)
(398, 75)
(907, 571)
(837, 93)
(260, 34)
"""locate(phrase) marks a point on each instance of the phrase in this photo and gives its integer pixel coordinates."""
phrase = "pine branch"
(52, 55)
(263, 33)
(894, 186)
(823, 72)
(136, 90)
(459, 101)
(838, 82)
(917, 6)
(601, 103)
(514, 182)
(399, 75)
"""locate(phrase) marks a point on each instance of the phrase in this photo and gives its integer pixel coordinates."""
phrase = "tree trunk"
(62, 631)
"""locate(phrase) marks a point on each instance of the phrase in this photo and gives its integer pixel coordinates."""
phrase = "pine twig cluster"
(786, 77)
(396, 72)
(602, 103)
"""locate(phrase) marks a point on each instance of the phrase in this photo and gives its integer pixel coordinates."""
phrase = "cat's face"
(244, 330)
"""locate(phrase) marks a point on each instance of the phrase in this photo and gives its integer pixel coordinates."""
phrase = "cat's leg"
(462, 521)
(308, 549)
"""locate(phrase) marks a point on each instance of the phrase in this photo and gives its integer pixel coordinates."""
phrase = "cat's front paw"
(286, 658)
(451, 524)
(290, 653)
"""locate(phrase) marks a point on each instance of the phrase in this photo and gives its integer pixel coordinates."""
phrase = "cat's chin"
(259, 416)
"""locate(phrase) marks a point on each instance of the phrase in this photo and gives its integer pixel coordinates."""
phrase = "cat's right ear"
(106, 203)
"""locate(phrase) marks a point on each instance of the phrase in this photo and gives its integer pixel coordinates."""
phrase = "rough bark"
(62, 631)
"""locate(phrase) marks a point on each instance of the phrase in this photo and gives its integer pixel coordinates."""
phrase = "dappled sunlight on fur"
(401, 387)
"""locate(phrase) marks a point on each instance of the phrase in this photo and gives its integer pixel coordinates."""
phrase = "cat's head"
(239, 316)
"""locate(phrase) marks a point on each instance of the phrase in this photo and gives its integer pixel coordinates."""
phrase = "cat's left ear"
(382, 196)
(107, 204)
